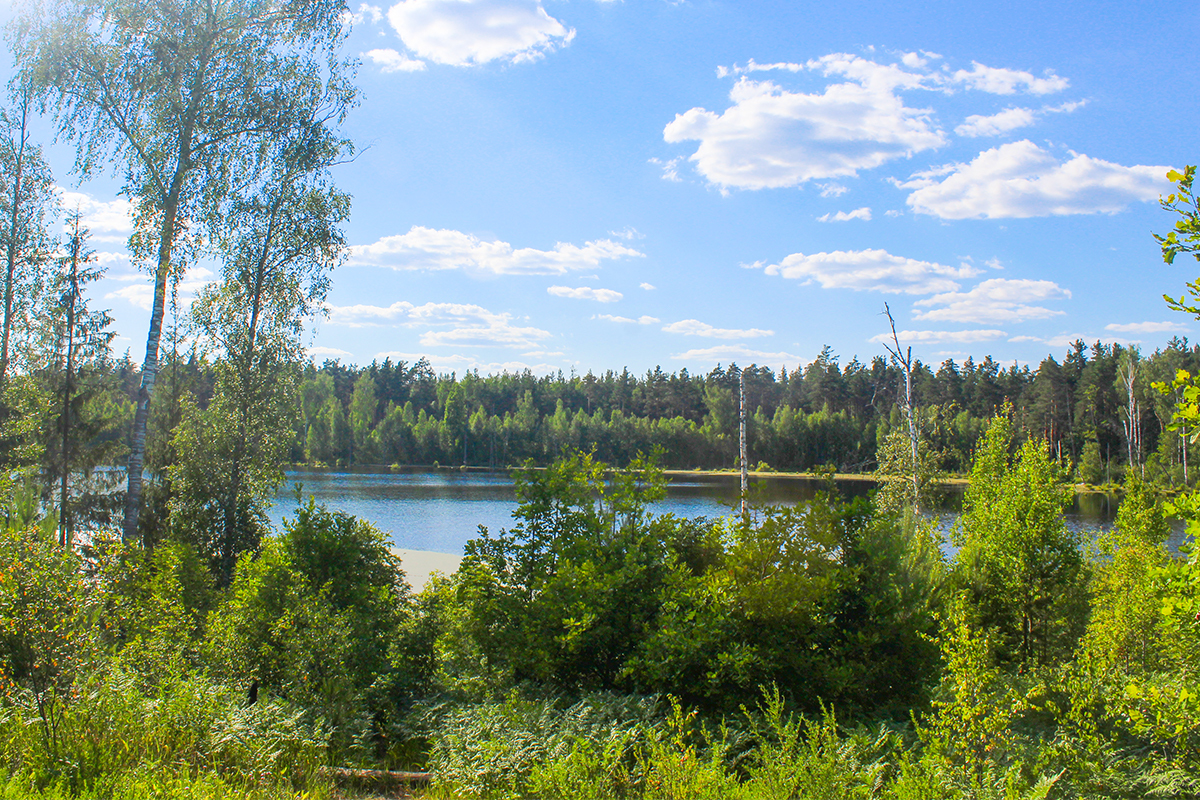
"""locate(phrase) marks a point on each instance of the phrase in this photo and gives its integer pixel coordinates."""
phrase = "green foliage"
(1186, 236)
(229, 461)
(311, 617)
(46, 635)
(109, 731)
(155, 603)
(1091, 466)
(497, 749)
(1021, 564)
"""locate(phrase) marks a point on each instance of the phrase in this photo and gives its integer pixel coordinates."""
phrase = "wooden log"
(376, 775)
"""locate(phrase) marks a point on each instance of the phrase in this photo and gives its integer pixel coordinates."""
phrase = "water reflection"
(442, 509)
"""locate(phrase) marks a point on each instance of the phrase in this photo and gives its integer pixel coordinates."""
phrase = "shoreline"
(419, 565)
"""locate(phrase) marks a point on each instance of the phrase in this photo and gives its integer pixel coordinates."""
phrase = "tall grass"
(106, 730)
(601, 748)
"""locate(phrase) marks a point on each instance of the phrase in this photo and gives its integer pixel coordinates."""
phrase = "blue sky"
(594, 185)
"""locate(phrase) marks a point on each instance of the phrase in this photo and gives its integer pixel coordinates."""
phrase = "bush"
(317, 617)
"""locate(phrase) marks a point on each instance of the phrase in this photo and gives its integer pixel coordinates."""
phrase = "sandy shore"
(418, 564)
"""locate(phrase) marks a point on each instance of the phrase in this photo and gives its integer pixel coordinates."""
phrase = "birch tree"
(182, 98)
(1127, 377)
(283, 237)
(27, 202)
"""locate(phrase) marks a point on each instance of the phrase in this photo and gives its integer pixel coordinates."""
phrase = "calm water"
(441, 510)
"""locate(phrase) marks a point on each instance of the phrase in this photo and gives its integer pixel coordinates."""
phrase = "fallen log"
(376, 775)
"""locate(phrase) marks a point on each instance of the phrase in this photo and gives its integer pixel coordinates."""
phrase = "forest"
(160, 638)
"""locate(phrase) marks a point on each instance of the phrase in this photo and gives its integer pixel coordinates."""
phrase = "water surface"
(440, 510)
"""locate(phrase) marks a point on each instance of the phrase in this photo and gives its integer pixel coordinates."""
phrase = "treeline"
(822, 413)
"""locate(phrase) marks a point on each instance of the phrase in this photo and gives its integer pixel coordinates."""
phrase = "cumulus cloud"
(872, 270)
(642, 320)
(992, 125)
(924, 337)
(470, 32)
(649, 287)
(327, 352)
(1010, 119)
(141, 293)
(429, 249)
(863, 213)
(832, 190)
(1020, 179)
(771, 137)
(462, 324)
(365, 13)
(109, 221)
(995, 300)
(1147, 327)
(586, 293)
(390, 60)
(737, 352)
(694, 327)
(997, 80)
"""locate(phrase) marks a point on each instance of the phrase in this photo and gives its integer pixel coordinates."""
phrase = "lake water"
(440, 510)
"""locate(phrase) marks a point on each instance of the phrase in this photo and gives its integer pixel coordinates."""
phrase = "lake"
(440, 510)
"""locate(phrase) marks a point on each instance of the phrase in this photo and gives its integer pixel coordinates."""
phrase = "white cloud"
(863, 213)
(996, 80)
(993, 80)
(100, 216)
(649, 287)
(872, 270)
(627, 233)
(1010, 119)
(107, 259)
(141, 294)
(693, 327)
(833, 190)
(471, 32)
(465, 324)
(365, 12)
(1147, 327)
(462, 363)
(1006, 120)
(1020, 179)
(642, 320)
(670, 168)
(995, 300)
(327, 352)
(1068, 339)
(392, 61)
(364, 315)
(923, 337)
(586, 293)
(734, 352)
(485, 336)
(429, 249)
(771, 137)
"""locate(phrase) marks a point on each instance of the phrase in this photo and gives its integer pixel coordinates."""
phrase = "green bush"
(318, 616)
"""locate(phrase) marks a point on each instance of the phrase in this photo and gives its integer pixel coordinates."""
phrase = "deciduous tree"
(184, 98)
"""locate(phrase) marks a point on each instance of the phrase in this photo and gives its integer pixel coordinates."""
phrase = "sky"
(591, 185)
